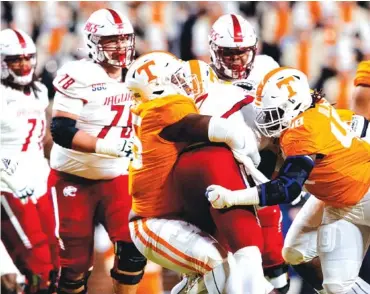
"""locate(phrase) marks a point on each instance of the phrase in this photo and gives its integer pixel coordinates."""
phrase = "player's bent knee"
(71, 282)
(292, 256)
(130, 263)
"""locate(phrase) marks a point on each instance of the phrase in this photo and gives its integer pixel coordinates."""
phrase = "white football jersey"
(103, 107)
(23, 127)
(262, 65)
(231, 101)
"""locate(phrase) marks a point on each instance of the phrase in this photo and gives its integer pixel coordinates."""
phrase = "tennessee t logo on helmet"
(145, 67)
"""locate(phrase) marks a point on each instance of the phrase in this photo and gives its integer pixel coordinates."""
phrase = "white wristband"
(247, 196)
(104, 147)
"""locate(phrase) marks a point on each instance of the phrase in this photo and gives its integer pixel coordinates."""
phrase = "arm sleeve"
(289, 183)
(67, 104)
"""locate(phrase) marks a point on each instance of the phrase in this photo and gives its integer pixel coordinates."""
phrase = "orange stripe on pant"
(159, 251)
(164, 243)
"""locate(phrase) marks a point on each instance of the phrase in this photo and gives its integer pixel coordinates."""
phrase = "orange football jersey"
(154, 157)
(363, 74)
(342, 176)
(346, 115)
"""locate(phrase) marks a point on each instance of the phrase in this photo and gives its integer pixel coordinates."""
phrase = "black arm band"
(63, 129)
(364, 129)
(289, 182)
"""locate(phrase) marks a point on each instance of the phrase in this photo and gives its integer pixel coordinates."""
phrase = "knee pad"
(128, 259)
(340, 246)
(68, 285)
(292, 256)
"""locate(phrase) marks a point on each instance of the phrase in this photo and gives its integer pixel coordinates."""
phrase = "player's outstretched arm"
(203, 128)
(284, 189)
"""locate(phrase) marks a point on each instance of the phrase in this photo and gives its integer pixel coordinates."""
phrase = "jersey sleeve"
(176, 110)
(70, 81)
(363, 74)
(67, 104)
(346, 115)
(305, 137)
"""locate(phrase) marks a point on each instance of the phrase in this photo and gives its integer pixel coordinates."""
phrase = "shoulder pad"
(363, 74)
(265, 61)
(74, 77)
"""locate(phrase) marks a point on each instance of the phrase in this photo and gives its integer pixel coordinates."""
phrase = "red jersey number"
(126, 131)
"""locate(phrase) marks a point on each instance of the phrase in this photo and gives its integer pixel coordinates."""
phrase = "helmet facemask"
(115, 50)
(19, 68)
(188, 85)
(233, 63)
(272, 121)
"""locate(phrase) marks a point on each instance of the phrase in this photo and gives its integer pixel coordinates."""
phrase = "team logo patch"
(69, 191)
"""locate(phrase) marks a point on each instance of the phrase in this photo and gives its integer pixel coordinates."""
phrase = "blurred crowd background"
(325, 39)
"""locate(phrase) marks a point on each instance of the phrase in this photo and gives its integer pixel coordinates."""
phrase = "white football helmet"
(110, 38)
(283, 94)
(156, 75)
(204, 73)
(233, 46)
(14, 46)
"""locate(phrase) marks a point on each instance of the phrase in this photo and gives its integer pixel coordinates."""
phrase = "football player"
(166, 121)
(27, 226)
(322, 153)
(233, 48)
(91, 129)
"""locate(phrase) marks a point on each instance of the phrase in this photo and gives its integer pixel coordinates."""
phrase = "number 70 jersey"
(341, 176)
(102, 105)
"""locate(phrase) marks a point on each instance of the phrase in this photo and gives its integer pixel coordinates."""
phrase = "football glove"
(121, 148)
(8, 176)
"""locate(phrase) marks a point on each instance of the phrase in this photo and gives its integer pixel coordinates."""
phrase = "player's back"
(154, 156)
(341, 175)
(103, 108)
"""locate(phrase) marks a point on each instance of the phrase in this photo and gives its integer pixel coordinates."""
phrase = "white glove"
(220, 197)
(121, 148)
(239, 137)
(19, 188)
(360, 126)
